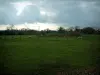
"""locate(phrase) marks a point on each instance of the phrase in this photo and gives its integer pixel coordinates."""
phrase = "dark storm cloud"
(72, 12)
(79, 12)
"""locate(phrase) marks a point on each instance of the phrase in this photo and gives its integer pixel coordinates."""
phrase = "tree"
(88, 30)
(77, 28)
(61, 30)
(98, 31)
(10, 30)
(47, 30)
(70, 29)
(11, 27)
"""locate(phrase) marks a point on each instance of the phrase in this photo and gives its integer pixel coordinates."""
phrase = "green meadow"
(45, 55)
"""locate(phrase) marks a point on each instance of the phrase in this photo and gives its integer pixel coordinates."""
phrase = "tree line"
(61, 31)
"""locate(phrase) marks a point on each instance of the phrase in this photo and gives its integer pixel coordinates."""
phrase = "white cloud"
(20, 6)
(48, 14)
(36, 26)
(3, 27)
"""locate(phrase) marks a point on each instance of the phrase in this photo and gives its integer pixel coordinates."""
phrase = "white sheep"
(80, 37)
(29, 36)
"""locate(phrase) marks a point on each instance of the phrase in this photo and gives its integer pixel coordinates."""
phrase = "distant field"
(47, 53)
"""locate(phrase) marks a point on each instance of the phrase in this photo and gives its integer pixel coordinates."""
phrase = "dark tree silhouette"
(61, 30)
(47, 30)
(88, 30)
(77, 28)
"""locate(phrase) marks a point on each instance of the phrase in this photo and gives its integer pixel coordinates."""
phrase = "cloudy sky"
(46, 13)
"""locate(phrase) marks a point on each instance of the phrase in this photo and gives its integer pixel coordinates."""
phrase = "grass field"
(44, 54)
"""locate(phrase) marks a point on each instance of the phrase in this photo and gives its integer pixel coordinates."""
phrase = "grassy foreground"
(45, 55)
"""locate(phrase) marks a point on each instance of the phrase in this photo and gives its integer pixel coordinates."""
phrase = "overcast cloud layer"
(70, 12)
